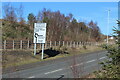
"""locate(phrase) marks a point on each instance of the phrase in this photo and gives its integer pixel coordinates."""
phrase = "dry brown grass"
(20, 57)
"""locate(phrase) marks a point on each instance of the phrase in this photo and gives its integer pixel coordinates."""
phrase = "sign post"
(42, 50)
(39, 36)
(35, 48)
(35, 43)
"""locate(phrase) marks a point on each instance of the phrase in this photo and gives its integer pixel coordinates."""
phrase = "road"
(70, 67)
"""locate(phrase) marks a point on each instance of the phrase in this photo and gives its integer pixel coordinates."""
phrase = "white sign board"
(39, 32)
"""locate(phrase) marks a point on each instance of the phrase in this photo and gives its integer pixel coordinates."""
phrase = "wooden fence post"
(55, 43)
(50, 43)
(20, 44)
(63, 43)
(71, 44)
(13, 45)
(74, 44)
(5, 44)
(59, 43)
(28, 44)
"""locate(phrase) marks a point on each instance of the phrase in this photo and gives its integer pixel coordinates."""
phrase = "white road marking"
(87, 62)
(91, 61)
(70, 66)
(102, 57)
(79, 64)
(76, 65)
(31, 77)
(53, 71)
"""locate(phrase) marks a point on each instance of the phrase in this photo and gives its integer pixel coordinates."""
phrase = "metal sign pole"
(35, 45)
(34, 48)
(42, 50)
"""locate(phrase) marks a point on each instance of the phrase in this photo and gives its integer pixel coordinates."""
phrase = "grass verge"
(20, 57)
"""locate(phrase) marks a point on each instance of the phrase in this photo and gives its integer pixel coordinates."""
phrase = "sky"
(82, 11)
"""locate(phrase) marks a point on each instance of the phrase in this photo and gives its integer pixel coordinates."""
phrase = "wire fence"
(27, 44)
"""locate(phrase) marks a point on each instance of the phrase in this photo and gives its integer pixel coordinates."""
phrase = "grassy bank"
(20, 57)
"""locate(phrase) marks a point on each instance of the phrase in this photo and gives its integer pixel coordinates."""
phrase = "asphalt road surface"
(70, 67)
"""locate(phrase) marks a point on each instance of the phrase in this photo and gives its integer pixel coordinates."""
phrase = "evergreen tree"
(31, 20)
(111, 67)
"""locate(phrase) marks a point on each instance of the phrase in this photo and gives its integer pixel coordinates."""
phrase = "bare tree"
(10, 13)
(20, 13)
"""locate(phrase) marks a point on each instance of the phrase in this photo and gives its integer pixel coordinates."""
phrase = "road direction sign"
(39, 32)
(39, 36)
